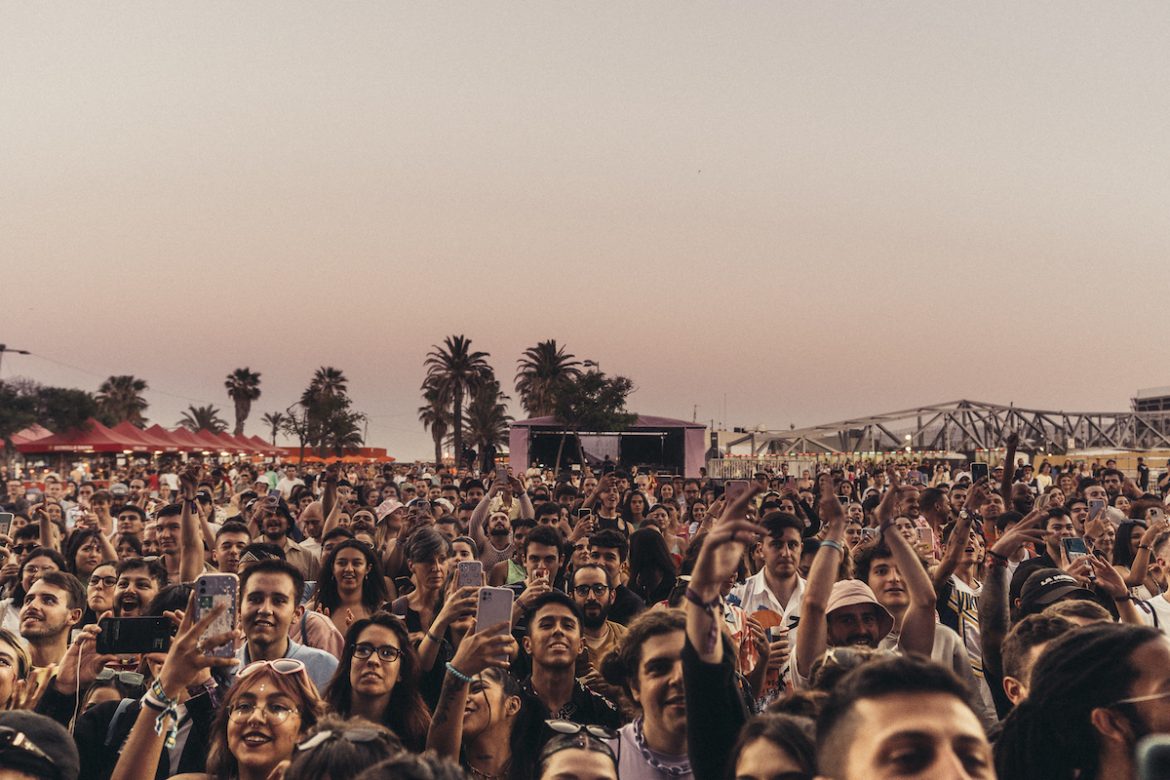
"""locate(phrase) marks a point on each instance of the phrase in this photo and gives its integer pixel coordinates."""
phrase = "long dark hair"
(73, 546)
(793, 735)
(1123, 551)
(520, 766)
(628, 514)
(1049, 734)
(374, 593)
(406, 714)
(648, 553)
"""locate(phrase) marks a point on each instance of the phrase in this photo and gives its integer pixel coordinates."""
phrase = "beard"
(498, 530)
(593, 615)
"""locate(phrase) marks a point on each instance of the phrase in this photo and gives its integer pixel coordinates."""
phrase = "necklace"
(484, 775)
(677, 770)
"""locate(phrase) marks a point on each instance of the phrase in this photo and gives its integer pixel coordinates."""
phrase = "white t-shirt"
(1161, 616)
(632, 765)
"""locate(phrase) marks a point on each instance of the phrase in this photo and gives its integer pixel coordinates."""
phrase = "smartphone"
(274, 492)
(5, 523)
(469, 574)
(979, 471)
(583, 513)
(135, 635)
(494, 606)
(1153, 515)
(925, 536)
(869, 534)
(1096, 505)
(212, 590)
(502, 474)
(1074, 547)
(734, 488)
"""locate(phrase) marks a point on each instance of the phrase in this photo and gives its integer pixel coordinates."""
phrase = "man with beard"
(609, 549)
(497, 544)
(592, 590)
(52, 606)
(554, 641)
(273, 520)
(139, 581)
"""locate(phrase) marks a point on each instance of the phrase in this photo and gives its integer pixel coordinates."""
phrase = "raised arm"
(330, 506)
(950, 560)
(994, 610)
(479, 516)
(527, 512)
(812, 630)
(190, 536)
(476, 652)
(1009, 468)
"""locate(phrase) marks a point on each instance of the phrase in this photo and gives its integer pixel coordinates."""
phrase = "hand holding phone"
(211, 590)
(469, 574)
(493, 607)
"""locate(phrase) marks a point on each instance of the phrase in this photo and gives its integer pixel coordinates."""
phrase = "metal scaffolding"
(966, 426)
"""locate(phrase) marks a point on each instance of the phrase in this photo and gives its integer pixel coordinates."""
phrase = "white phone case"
(210, 591)
(494, 606)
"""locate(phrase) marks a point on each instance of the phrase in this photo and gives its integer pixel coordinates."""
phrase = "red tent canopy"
(210, 441)
(266, 448)
(191, 441)
(161, 434)
(127, 430)
(94, 437)
(247, 445)
(31, 433)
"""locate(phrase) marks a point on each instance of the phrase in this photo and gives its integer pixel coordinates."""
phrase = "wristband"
(458, 675)
(1145, 547)
(433, 638)
(157, 700)
(832, 544)
(709, 606)
(693, 597)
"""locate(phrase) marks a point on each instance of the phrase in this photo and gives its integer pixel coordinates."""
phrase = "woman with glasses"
(99, 591)
(351, 586)
(577, 752)
(377, 679)
(340, 749)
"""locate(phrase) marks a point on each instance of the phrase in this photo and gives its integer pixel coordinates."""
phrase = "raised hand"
(724, 546)
(1027, 530)
(186, 661)
(479, 651)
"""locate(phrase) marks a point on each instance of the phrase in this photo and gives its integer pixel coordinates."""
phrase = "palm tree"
(342, 432)
(275, 422)
(542, 370)
(120, 398)
(435, 415)
(243, 386)
(454, 370)
(326, 381)
(488, 421)
(203, 418)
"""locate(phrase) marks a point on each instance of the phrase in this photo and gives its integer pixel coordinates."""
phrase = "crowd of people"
(865, 620)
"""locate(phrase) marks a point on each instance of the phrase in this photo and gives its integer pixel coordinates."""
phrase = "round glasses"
(276, 713)
(597, 589)
(388, 653)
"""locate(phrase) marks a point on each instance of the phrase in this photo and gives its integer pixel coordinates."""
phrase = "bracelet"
(833, 544)
(1145, 547)
(693, 597)
(458, 675)
(433, 638)
(157, 700)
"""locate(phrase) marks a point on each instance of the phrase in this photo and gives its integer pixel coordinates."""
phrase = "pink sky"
(818, 210)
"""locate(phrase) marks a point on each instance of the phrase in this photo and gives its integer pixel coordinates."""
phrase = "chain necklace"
(677, 770)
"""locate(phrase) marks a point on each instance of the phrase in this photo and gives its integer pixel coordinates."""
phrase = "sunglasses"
(126, 678)
(280, 666)
(11, 739)
(569, 727)
(349, 735)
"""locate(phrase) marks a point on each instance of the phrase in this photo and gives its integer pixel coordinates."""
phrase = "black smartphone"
(135, 635)
(978, 471)
(1153, 758)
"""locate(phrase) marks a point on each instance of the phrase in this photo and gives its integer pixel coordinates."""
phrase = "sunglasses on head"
(13, 740)
(280, 666)
(349, 735)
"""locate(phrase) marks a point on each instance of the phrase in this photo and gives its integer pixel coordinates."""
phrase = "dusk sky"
(815, 210)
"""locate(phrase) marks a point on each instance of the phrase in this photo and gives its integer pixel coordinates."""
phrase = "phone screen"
(978, 471)
(1074, 547)
(5, 523)
(135, 635)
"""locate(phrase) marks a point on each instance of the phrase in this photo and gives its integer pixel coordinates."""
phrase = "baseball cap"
(1048, 586)
(38, 746)
(387, 508)
(850, 593)
(119, 489)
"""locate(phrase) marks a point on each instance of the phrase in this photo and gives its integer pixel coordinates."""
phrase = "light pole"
(5, 348)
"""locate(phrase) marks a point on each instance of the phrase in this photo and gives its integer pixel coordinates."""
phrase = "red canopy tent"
(247, 445)
(266, 448)
(161, 434)
(191, 441)
(211, 442)
(31, 433)
(94, 437)
(149, 443)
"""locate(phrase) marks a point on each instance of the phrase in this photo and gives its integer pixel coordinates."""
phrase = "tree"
(325, 419)
(455, 371)
(243, 386)
(64, 408)
(275, 422)
(120, 398)
(592, 402)
(326, 381)
(488, 420)
(542, 370)
(203, 418)
(16, 413)
(435, 415)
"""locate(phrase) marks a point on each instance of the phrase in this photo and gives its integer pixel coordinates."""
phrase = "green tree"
(275, 422)
(243, 386)
(120, 398)
(17, 412)
(435, 415)
(455, 372)
(326, 419)
(488, 419)
(203, 418)
(542, 371)
(592, 402)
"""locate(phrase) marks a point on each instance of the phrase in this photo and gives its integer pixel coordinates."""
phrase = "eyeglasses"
(570, 727)
(280, 666)
(102, 582)
(277, 713)
(597, 589)
(23, 549)
(126, 678)
(1149, 697)
(388, 653)
(11, 739)
(349, 735)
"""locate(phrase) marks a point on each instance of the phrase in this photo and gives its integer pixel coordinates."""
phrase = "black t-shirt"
(626, 605)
